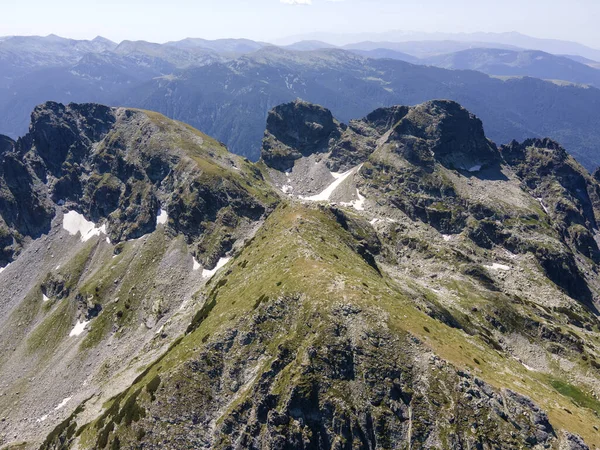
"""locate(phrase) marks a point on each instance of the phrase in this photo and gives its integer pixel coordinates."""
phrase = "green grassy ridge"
(308, 240)
(135, 269)
(207, 154)
(232, 300)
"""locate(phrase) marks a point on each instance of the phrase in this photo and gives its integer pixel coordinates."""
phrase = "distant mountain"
(509, 39)
(586, 61)
(424, 49)
(309, 45)
(21, 55)
(385, 53)
(531, 63)
(219, 45)
(229, 96)
(179, 57)
(230, 100)
(555, 46)
(27, 52)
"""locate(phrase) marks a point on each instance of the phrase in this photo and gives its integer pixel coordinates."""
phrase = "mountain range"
(489, 40)
(227, 87)
(396, 281)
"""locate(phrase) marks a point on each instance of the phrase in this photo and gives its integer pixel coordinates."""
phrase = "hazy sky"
(163, 20)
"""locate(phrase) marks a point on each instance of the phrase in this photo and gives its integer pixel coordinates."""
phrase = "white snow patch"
(339, 179)
(358, 204)
(476, 168)
(531, 369)
(107, 239)
(45, 298)
(386, 219)
(447, 237)
(497, 266)
(41, 419)
(510, 254)
(75, 223)
(78, 328)
(62, 404)
(543, 206)
(162, 217)
(211, 273)
(2, 269)
(287, 189)
(196, 264)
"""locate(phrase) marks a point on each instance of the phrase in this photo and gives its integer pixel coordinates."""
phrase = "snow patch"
(358, 204)
(62, 404)
(497, 266)
(78, 328)
(45, 298)
(447, 237)
(531, 369)
(211, 273)
(74, 223)
(287, 189)
(339, 179)
(541, 200)
(41, 419)
(476, 168)
(2, 269)
(196, 264)
(162, 217)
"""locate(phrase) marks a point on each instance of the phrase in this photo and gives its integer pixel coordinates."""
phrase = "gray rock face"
(573, 442)
(295, 130)
(6, 144)
(454, 136)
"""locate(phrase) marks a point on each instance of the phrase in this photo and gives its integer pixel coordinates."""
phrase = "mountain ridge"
(406, 230)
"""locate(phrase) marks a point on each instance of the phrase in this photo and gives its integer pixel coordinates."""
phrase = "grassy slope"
(303, 250)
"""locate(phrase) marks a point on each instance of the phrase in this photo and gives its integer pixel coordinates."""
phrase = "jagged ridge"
(443, 294)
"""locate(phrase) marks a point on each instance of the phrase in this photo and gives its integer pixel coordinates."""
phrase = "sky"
(271, 20)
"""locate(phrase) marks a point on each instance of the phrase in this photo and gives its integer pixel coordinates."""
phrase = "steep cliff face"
(6, 144)
(397, 282)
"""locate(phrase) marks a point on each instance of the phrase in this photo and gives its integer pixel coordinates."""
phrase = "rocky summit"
(399, 281)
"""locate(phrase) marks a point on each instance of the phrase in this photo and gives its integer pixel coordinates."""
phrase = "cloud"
(297, 2)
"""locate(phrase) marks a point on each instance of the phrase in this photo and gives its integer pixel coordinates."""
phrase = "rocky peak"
(454, 136)
(383, 119)
(6, 144)
(62, 133)
(517, 152)
(295, 130)
(565, 189)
